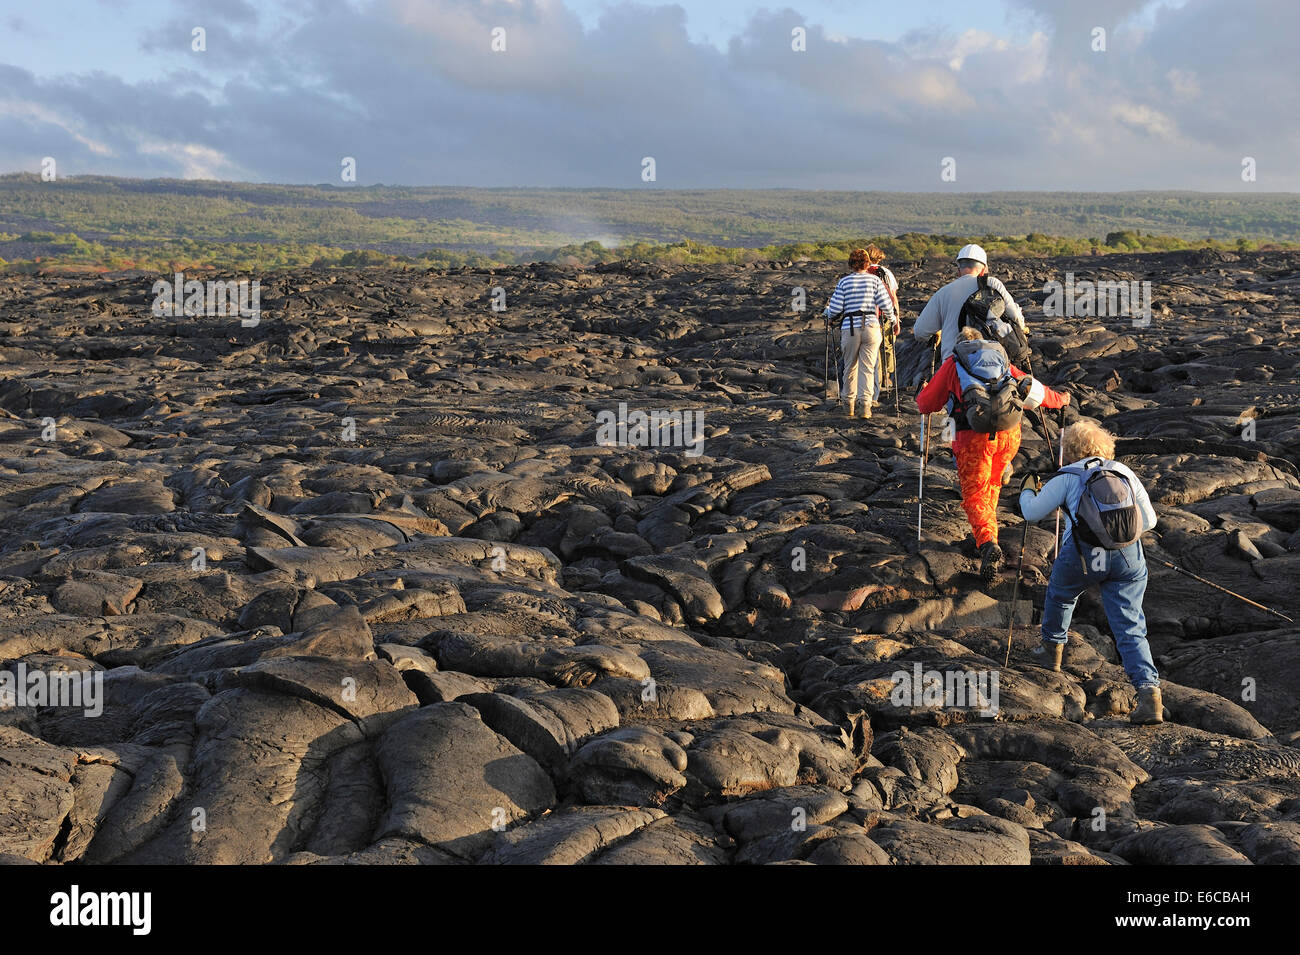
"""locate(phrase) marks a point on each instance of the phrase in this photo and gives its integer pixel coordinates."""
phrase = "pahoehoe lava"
(363, 586)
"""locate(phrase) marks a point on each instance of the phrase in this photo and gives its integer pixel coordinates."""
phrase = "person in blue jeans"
(1121, 574)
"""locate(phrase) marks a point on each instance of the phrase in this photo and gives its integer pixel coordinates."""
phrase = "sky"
(913, 95)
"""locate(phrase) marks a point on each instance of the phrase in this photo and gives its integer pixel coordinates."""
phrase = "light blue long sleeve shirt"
(1065, 490)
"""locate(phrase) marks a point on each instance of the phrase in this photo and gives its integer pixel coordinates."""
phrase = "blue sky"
(88, 35)
(1014, 92)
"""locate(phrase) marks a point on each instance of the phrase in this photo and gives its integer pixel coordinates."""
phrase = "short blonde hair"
(874, 255)
(1084, 439)
(968, 334)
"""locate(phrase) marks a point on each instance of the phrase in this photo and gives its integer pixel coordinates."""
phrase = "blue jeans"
(1123, 582)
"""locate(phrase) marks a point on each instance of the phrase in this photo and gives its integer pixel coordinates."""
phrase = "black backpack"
(989, 395)
(983, 312)
(1108, 515)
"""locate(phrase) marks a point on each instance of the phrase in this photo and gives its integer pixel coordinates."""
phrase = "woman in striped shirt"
(858, 301)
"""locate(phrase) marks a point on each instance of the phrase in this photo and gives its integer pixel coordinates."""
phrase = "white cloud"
(1145, 119)
(36, 113)
(413, 90)
(193, 160)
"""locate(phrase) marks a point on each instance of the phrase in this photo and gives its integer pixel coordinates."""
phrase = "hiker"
(857, 302)
(974, 298)
(984, 394)
(1108, 511)
(886, 366)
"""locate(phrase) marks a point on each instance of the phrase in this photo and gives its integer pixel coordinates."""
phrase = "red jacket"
(945, 385)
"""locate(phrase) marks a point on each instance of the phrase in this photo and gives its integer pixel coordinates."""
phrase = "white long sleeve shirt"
(943, 312)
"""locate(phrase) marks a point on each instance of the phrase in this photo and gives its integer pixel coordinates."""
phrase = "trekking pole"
(1015, 592)
(826, 362)
(1047, 434)
(920, 491)
(1210, 583)
(1056, 548)
(1047, 431)
(894, 355)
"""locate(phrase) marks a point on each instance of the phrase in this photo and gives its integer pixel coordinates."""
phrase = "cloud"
(34, 116)
(193, 161)
(414, 90)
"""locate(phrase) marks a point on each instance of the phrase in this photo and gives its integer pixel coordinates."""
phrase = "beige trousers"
(861, 350)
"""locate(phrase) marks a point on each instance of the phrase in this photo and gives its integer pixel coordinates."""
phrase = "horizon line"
(649, 187)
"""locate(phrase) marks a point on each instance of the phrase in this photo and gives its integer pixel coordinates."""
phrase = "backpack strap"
(1081, 472)
(1082, 468)
(1074, 536)
(957, 357)
(845, 316)
(1084, 471)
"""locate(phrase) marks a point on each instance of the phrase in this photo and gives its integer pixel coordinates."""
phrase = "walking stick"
(1015, 592)
(826, 363)
(1047, 431)
(1210, 583)
(925, 453)
(1060, 460)
(925, 445)
(895, 384)
(1056, 548)
(893, 351)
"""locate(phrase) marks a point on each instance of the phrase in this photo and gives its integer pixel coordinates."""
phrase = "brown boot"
(1048, 655)
(848, 408)
(1150, 709)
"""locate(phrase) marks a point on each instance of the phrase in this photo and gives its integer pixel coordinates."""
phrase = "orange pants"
(980, 463)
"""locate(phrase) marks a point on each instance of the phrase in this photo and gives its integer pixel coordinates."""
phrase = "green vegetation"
(104, 223)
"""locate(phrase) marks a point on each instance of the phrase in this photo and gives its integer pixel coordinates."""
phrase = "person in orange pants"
(980, 463)
(981, 458)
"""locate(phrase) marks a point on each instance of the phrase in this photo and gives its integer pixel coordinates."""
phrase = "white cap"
(973, 252)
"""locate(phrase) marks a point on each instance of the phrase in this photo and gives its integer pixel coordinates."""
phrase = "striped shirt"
(860, 292)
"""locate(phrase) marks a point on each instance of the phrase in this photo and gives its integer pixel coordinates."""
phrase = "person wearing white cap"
(942, 314)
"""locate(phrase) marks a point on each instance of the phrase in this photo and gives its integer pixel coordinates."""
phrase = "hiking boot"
(848, 408)
(1150, 708)
(990, 561)
(1048, 655)
(1006, 475)
(864, 411)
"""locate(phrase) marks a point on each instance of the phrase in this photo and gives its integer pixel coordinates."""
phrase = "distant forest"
(109, 224)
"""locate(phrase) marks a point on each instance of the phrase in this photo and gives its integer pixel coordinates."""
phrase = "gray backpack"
(1108, 515)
